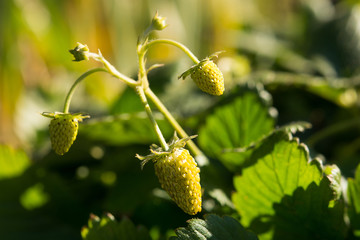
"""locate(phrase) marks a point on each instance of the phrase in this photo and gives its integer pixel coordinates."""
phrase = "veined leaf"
(288, 128)
(125, 129)
(236, 125)
(108, 228)
(283, 194)
(354, 202)
(213, 227)
(309, 214)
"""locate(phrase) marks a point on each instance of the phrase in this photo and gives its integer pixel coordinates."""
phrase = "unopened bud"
(80, 52)
(158, 22)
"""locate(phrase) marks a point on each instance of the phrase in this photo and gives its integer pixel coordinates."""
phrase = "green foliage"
(12, 162)
(34, 197)
(354, 201)
(214, 227)
(108, 228)
(304, 60)
(236, 124)
(283, 194)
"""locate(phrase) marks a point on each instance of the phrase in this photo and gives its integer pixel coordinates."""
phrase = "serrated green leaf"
(281, 165)
(354, 202)
(213, 227)
(332, 172)
(125, 129)
(110, 229)
(12, 162)
(294, 127)
(307, 215)
(283, 195)
(288, 128)
(238, 124)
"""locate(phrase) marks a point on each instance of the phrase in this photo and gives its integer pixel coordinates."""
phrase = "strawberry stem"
(174, 43)
(140, 92)
(142, 49)
(113, 71)
(169, 117)
(76, 83)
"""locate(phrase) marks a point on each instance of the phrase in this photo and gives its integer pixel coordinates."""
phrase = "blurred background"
(36, 72)
(305, 52)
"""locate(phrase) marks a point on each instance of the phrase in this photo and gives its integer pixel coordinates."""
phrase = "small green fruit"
(207, 76)
(178, 174)
(63, 130)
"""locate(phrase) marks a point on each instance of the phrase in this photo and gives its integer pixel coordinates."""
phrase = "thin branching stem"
(169, 117)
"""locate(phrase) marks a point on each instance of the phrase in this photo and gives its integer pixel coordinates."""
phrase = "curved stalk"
(174, 43)
(149, 93)
(76, 83)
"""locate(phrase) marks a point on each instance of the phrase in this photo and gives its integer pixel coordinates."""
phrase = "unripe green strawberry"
(179, 176)
(63, 130)
(207, 76)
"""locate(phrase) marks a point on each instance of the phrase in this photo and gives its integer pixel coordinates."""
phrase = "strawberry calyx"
(78, 116)
(63, 129)
(199, 65)
(156, 152)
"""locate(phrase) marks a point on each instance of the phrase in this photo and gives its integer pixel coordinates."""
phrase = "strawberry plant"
(228, 171)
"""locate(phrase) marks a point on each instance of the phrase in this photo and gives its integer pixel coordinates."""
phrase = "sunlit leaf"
(110, 229)
(354, 202)
(309, 214)
(12, 162)
(288, 128)
(283, 194)
(237, 124)
(214, 227)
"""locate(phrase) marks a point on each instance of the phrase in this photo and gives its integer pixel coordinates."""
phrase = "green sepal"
(200, 64)
(156, 151)
(80, 52)
(78, 116)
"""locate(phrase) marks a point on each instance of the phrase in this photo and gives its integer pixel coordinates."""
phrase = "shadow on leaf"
(304, 215)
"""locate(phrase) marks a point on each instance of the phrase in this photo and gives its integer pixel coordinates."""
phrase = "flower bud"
(158, 22)
(80, 52)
